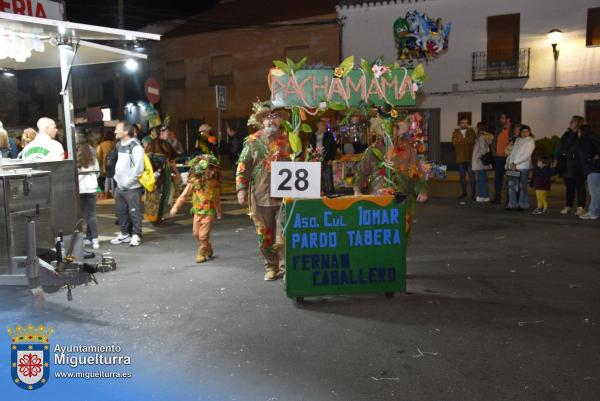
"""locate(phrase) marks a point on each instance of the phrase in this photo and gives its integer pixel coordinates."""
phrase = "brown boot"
(209, 250)
(201, 256)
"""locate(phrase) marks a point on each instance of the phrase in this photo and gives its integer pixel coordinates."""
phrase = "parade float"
(356, 244)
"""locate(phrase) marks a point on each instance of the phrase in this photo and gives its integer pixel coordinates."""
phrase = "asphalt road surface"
(499, 306)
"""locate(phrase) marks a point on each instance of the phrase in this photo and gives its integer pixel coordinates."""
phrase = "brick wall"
(252, 52)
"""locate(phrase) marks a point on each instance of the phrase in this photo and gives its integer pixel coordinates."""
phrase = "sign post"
(221, 100)
(347, 245)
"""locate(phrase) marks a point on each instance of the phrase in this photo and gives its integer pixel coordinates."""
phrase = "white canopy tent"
(33, 43)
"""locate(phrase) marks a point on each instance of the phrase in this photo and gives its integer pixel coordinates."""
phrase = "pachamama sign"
(310, 88)
(347, 245)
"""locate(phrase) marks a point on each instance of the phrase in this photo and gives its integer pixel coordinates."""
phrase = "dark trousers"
(88, 210)
(499, 177)
(129, 210)
(327, 176)
(464, 168)
(575, 186)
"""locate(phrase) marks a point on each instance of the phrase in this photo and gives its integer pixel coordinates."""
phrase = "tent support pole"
(66, 54)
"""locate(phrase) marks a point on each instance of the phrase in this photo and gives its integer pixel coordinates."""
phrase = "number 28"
(300, 182)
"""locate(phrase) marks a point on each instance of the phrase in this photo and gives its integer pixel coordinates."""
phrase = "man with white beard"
(267, 145)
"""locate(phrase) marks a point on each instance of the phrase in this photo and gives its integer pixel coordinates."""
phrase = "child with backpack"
(203, 189)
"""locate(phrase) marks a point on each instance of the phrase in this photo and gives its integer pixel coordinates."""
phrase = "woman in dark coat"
(570, 166)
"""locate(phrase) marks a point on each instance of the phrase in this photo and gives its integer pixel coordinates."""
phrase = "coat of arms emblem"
(30, 355)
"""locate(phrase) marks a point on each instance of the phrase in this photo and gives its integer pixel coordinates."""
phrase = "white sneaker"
(565, 210)
(122, 238)
(87, 242)
(580, 211)
(135, 240)
(482, 200)
(588, 216)
(96, 243)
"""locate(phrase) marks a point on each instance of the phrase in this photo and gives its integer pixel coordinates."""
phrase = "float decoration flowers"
(419, 37)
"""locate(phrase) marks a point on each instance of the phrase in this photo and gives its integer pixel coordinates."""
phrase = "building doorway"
(490, 113)
(592, 114)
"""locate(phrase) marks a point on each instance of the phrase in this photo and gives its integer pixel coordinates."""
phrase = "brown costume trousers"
(202, 226)
(270, 236)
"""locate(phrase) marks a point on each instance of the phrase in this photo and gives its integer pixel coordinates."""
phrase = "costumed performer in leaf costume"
(253, 184)
(203, 189)
(390, 166)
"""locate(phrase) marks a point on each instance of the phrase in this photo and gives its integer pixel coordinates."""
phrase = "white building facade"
(536, 89)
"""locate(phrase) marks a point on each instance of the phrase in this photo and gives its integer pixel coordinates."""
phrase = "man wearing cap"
(205, 144)
(323, 142)
(262, 148)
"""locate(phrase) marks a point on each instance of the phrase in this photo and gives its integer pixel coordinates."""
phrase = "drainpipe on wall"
(340, 22)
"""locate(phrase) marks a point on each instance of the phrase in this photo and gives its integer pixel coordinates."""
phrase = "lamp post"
(554, 36)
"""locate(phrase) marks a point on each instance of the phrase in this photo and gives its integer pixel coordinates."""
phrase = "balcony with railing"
(500, 65)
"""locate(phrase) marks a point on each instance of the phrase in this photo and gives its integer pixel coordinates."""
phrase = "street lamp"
(554, 36)
(131, 64)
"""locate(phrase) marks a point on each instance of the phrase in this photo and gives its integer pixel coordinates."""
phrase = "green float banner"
(347, 245)
(314, 88)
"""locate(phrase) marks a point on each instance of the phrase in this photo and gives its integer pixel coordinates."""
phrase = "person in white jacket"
(520, 160)
(88, 168)
(482, 146)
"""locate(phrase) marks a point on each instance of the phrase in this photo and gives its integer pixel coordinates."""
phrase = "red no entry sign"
(152, 90)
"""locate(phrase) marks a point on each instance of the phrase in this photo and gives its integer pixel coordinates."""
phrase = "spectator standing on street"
(590, 147)
(520, 160)
(463, 139)
(44, 147)
(513, 137)
(29, 135)
(236, 143)
(128, 170)
(12, 146)
(479, 162)
(501, 141)
(541, 180)
(102, 151)
(5, 151)
(19, 143)
(570, 166)
(88, 169)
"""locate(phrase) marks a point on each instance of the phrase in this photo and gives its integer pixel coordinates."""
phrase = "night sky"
(138, 13)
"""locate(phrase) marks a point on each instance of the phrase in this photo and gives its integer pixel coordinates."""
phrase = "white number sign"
(296, 180)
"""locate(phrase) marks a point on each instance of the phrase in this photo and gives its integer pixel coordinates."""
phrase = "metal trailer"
(40, 200)
(38, 204)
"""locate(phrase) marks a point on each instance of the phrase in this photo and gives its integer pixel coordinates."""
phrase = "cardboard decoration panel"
(346, 245)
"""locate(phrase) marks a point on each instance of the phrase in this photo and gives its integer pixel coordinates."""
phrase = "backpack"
(147, 178)
(110, 162)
